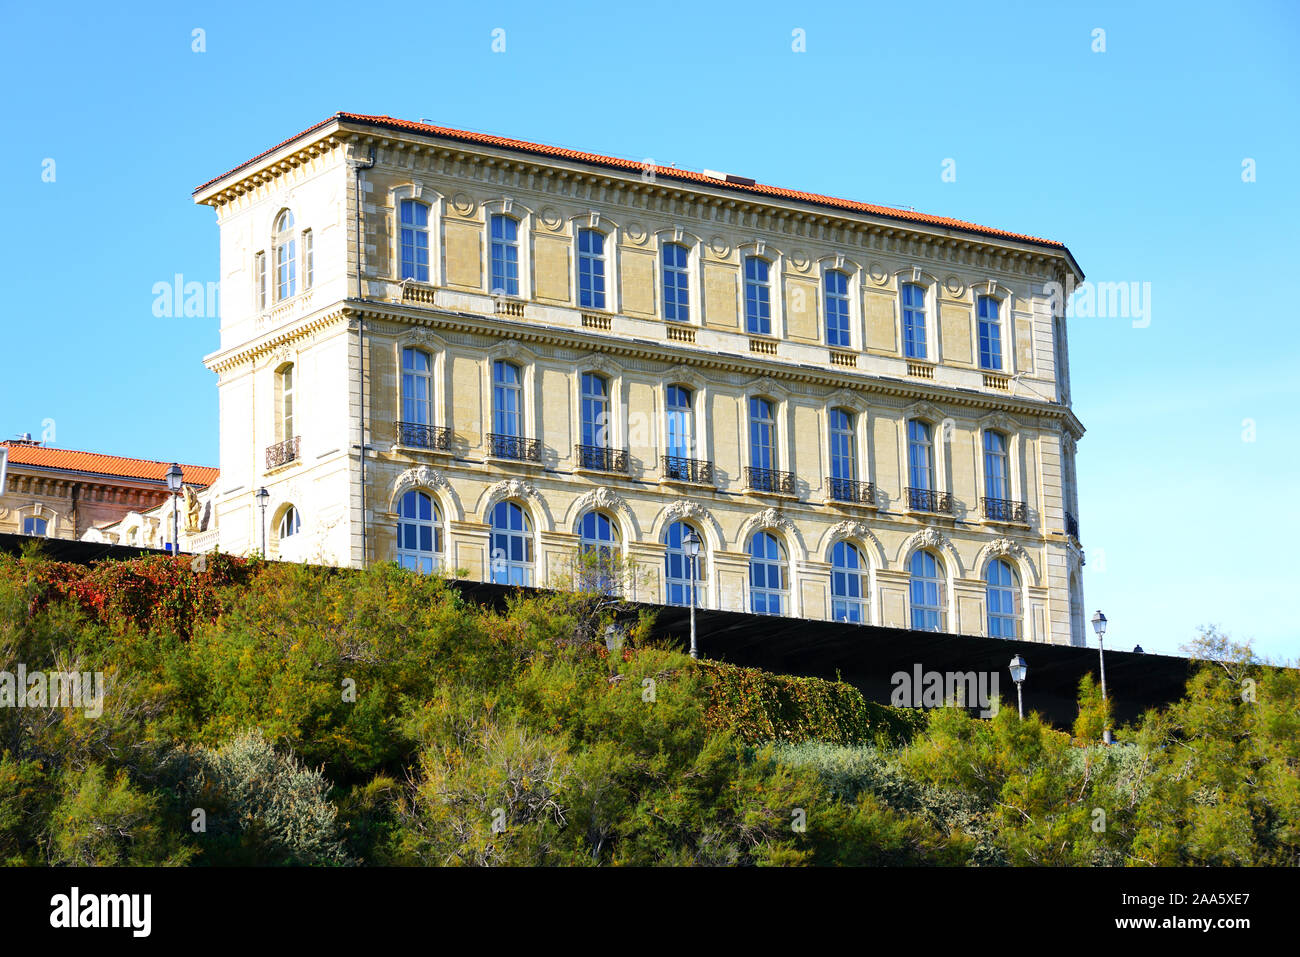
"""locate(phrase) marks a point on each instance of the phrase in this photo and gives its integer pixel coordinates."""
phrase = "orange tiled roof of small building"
(97, 463)
(638, 166)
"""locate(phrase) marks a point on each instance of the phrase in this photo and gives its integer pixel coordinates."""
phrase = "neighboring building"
(863, 412)
(64, 493)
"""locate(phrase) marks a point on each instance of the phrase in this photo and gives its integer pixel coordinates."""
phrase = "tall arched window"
(848, 584)
(678, 566)
(290, 523)
(505, 256)
(419, 532)
(920, 455)
(914, 321)
(768, 578)
(990, 321)
(598, 536)
(929, 593)
(591, 269)
(844, 455)
(595, 411)
(997, 482)
(284, 386)
(758, 296)
(762, 434)
(1078, 631)
(681, 430)
(836, 288)
(677, 284)
(286, 263)
(1003, 600)
(417, 387)
(413, 240)
(512, 545)
(507, 399)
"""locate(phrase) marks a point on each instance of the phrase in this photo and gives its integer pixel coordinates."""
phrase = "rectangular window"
(995, 466)
(990, 333)
(414, 240)
(914, 322)
(506, 400)
(259, 279)
(758, 297)
(308, 260)
(591, 269)
(34, 526)
(595, 411)
(681, 443)
(762, 434)
(505, 256)
(417, 387)
(836, 287)
(920, 455)
(676, 284)
(843, 457)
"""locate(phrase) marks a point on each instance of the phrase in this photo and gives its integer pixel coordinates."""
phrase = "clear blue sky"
(1132, 157)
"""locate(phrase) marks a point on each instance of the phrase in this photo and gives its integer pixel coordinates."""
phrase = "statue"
(191, 510)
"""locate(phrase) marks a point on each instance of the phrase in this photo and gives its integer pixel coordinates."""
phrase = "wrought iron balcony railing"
(282, 453)
(1071, 526)
(417, 436)
(1004, 510)
(928, 500)
(769, 480)
(600, 459)
(680, 469)
(847, 490)
(514, 447)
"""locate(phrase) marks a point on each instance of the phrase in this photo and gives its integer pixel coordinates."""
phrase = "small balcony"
(417, 436)
(514, 447)
(1072, 526)
(857, 493)
(769, 481)
(674, 468)
(597, 458)
(1005, 510)
(928, 500)
(282, 453)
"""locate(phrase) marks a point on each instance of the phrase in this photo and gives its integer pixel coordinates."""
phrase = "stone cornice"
(225, 360)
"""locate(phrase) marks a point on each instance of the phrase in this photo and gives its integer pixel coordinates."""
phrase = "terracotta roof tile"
(70, 460)
(667, 172)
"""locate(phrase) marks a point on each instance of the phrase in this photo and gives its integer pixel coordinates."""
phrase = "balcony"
(514, 447)
(417, 436)
(928, 500)
(1005, 510)
(597, 458)
(1072, 526)
(847, 490)
(282, 453)
(769, 481)
(674, 468)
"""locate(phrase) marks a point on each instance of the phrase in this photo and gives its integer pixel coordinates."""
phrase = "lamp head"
(262, 496)
(1018, 669)
(1099, 624)
(691, 543)
(175, 478)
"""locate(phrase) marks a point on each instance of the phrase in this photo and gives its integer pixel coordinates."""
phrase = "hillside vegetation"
(283, 714)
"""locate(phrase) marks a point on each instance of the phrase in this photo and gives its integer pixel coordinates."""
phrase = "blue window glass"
(34, 526)
(758, 297)
(913, 321)
(417, 387)
(599, 536)
(507, 395)
(505, 256)
(1003, 600)
(848, 584)
(413, 240)
(836, 287)
(996, 484)
(928, 594)
(591, 269)
(678, 566)
(990, 332)
(595, 411)
(681, 423)
(920, 455)
(843, 448)
(762, 434)
(512, 545)
(677, 296)
(767, 575)
(419, 533)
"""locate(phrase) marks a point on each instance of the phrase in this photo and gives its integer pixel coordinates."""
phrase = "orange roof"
(638, 167)
(69, 460)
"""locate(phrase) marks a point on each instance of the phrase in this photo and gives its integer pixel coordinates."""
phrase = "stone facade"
(311, 381)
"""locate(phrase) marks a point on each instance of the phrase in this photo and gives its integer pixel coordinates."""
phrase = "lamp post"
(263, 496)
(175, 479)
(1018, 671)
(692, 546)
(1099, 626)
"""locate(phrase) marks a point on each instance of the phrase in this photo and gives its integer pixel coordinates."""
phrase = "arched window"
(599, 538)
(417, 387)
(990, 321)
(419, 532)
(768, 579)
(290, 523)
(681, 435)
(512, 545)
(848, 584)
(996, 474)
(591, 269)
(678, 566)
(836, 287)
(34, 526)
(595, 411)
(505, 256)
(914, 321)
(413, 240)
(284, 386)
(1003, 600)
(758, 296)
(507, 399)
(920, 455)
(929, 593)
(677, 285)
(286, 264)
(1078, 632)
(844, 455)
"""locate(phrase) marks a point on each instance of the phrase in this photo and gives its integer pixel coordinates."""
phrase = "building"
(446, 348)
(65, 493)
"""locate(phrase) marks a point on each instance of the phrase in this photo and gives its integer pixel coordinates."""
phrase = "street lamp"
(691, 544)
(175, 479)
(1099, 626)
(263, 496)
(1018, 670)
